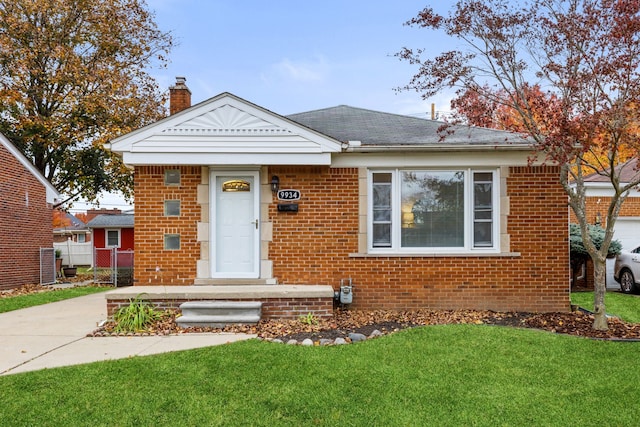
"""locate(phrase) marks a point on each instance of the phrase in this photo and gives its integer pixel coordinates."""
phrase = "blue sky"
(294, 56)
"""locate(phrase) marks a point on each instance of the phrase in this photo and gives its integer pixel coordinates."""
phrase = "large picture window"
(431, 210)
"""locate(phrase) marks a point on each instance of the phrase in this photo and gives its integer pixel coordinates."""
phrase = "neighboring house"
(414, 220)
(26, 206)
(627, 227)
(74, 229)
(599, 192)
(112, 231)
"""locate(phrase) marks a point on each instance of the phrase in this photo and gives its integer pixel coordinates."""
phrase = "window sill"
(435, 255)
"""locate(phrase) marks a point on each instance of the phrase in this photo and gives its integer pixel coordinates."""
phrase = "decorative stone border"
(308, 342)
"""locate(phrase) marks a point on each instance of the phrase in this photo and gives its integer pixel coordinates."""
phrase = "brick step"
(218, 314)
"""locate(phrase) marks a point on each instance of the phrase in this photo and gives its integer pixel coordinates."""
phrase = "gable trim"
(225, 127)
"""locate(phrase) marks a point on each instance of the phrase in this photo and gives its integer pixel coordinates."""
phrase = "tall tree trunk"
(599, 291)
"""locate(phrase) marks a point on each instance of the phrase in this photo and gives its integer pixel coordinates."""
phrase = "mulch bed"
(577, 323)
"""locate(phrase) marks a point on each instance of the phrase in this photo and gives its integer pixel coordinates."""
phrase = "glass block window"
(172, 177)
(172, 208)
(172, 242)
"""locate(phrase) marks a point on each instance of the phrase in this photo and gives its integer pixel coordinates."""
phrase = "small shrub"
(309, 319)
(136, 317)
(597, 237)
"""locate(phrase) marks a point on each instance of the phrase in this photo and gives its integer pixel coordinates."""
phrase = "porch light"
(275, 184)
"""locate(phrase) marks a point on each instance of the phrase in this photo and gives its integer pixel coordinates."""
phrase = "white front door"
(236, 225)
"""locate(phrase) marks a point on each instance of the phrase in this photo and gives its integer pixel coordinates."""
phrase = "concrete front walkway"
(53, 335)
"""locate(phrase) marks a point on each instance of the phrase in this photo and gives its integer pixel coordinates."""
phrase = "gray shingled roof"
(107, 221)
(74, 224)
(376, 128)
(627, 171)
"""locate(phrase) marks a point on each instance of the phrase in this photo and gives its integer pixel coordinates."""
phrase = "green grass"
(624, 306)
(455, 375)
(24, 301)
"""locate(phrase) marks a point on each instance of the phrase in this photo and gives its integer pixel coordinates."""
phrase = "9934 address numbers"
(288, 195)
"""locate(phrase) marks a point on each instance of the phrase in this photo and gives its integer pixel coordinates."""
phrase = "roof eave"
(439, 147)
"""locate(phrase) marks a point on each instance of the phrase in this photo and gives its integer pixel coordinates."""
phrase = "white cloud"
(305, 71)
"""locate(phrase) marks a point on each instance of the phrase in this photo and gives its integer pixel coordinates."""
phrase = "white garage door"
(627, 231)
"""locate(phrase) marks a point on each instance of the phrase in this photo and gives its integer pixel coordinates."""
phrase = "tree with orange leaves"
(82, 216)
(584, 55)
(60, 219)
(73, 75)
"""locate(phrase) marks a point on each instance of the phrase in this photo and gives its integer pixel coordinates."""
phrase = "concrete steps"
(218, 314)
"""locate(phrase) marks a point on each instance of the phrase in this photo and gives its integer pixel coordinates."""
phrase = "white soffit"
(225, 128)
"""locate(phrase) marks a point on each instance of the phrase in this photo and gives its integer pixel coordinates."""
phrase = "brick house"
(26, 209)
(599, 193)
(627, 227)
(228, 192)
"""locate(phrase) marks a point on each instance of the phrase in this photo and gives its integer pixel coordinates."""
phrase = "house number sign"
(288, 195)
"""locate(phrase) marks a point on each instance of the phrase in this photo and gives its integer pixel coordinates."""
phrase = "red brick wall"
(154, 264)
(313, 247)
(599, 205)
(25, 223)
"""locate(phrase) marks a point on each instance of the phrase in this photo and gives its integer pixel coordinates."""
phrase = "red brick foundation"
(272, 308)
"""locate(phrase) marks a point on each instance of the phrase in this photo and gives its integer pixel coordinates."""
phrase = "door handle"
(256, 223)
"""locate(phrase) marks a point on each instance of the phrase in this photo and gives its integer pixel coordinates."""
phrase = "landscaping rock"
(355, 337)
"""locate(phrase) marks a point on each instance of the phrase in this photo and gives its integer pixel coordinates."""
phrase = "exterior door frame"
(213, 175)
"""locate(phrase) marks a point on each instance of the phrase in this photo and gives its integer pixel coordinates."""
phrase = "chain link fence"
(47, 266)
(113, 266)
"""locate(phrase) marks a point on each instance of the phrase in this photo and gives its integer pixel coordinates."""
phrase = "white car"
(627, 270)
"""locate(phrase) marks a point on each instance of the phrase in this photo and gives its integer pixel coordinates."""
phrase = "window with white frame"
(432, 210)
(112, 238)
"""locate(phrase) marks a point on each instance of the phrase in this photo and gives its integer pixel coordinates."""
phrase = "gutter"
(349, 148)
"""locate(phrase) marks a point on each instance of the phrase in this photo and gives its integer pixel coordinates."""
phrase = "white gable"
(225, 130)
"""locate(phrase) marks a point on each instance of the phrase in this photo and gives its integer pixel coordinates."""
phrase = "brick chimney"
(179, 96)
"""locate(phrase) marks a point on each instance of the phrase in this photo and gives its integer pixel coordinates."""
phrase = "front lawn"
(23, 301)
(624, 306)
(436, 375)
